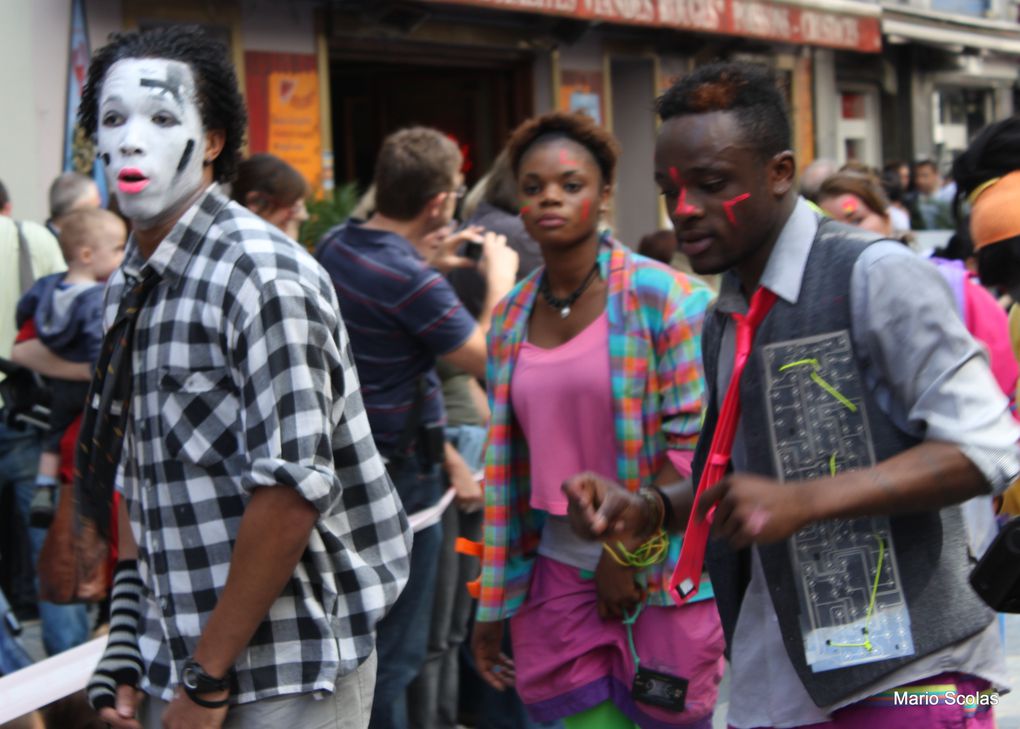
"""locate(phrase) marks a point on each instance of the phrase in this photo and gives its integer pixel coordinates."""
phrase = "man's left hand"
(183, 713)
(755, 510)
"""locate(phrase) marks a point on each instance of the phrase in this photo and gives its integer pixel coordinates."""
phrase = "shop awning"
(944, 30)
(845, 24)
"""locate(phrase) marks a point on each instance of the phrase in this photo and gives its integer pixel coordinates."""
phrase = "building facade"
(326, 80)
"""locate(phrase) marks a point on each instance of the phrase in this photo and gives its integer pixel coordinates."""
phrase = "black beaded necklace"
(563, 305)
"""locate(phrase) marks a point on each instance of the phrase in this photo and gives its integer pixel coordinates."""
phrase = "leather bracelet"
(668, 515)
(204, 703)
(196, 681)
(657, 509)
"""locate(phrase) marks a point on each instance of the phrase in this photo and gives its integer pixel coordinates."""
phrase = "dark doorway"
(477, 106)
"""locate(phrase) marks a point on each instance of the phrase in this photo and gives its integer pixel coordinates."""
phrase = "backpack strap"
(25, 276)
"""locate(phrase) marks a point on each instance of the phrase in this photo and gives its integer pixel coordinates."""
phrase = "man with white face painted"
(151, 138)
(241, 589)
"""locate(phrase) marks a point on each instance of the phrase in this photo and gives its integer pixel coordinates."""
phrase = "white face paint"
(150, 136)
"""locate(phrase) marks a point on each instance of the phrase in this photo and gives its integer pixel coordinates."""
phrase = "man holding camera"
(402, 315)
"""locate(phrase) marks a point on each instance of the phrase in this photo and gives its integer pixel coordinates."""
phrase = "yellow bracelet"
(651, 552)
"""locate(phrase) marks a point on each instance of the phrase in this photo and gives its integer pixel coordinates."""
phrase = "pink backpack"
(985, 320)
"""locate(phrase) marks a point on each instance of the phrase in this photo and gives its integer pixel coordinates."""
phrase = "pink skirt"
(569, 660)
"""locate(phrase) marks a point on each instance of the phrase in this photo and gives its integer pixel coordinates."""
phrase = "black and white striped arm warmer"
(121, 662)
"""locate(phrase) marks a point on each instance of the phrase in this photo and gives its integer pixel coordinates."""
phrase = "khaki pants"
(349, 707)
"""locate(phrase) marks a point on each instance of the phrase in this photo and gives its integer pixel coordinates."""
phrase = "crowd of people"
(772, 440)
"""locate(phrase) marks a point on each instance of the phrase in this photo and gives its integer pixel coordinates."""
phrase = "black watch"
(196, 681)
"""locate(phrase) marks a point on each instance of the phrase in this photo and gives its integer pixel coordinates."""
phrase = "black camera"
(473, 251)
(996, 578)
(659, 689)
(26, 397)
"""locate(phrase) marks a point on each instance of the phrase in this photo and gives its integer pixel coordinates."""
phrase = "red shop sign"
(750, 18)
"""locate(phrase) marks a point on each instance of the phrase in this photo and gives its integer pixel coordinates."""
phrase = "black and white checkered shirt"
(243, 377)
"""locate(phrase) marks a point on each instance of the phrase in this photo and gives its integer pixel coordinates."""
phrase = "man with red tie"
(849, 413)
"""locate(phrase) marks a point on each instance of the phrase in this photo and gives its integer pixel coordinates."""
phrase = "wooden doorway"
(478, 104)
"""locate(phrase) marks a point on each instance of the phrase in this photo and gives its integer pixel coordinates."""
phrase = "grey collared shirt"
(932, 380)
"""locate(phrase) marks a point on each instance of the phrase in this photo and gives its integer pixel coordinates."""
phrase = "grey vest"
(931, 546)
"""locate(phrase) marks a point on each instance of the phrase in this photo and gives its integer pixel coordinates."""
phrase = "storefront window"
(962, 113)
(977, 8)
(858, 126)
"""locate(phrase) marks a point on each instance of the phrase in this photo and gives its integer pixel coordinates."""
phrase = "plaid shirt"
(655, 317)
(243, 377)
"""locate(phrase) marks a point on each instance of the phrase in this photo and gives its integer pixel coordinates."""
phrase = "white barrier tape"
(40, 684)
(427, 517)
(35, 686)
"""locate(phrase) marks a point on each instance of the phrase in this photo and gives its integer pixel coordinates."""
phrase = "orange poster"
(293, 130)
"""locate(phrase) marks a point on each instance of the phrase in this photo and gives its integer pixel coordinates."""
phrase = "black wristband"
(196, 681)
(667, 509)
(204, 703)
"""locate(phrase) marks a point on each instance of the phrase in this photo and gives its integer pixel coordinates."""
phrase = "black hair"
(219, 98)
(4, 197)
(994, 152)
(999, 263)
(892, 185)
(748, 90)
(575, 126)
(274, 181)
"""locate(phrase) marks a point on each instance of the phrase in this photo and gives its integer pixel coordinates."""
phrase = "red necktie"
(687, 575)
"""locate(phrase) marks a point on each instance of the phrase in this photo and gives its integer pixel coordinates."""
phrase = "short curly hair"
(748, 90)
(219, 99)
(576, 126)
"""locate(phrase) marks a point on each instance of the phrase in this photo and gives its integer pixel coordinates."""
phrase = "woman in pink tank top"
(593, 366)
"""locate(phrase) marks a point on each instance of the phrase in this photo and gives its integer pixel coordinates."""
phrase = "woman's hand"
(618, 591)
(494, 666)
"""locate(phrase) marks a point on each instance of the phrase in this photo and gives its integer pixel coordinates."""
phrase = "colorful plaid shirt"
(655, 317)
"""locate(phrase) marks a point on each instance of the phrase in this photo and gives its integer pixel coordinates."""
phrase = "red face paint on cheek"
(524, 210)
(729, 204)
(585, 209)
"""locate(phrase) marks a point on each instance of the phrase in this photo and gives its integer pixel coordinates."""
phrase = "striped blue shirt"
(401, 315)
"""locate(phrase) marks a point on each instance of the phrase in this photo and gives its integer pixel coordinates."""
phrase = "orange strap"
(467, 547)
(471, 549)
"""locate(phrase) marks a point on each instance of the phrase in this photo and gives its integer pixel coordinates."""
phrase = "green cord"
(811, 361)
(629, 621)
(817, 378)
(651, 552)
(871, 604)
(820, 381)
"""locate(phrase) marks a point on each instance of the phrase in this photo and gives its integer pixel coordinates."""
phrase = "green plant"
(327, 213)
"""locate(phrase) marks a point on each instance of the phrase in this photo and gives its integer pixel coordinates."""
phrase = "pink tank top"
(563, 399)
